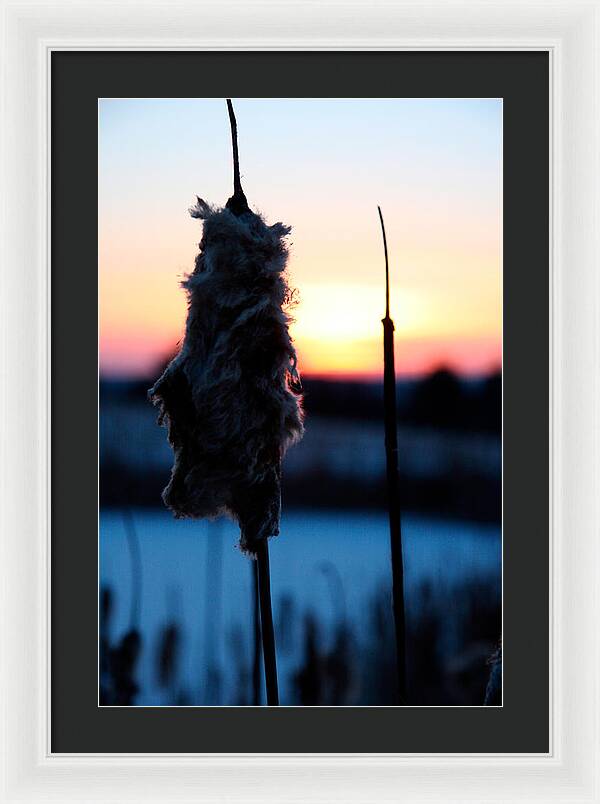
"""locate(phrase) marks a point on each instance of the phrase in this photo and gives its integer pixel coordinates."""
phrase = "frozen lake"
(329, 563)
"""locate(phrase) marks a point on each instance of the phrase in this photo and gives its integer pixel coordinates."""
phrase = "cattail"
(230, 397)
(391, 459)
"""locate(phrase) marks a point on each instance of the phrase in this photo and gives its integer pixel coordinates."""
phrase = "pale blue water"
(176, 583)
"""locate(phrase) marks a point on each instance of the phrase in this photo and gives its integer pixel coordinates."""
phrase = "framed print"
(373, 338)
(179, 609)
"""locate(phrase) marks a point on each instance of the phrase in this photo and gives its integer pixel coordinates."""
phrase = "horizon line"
(364, 377)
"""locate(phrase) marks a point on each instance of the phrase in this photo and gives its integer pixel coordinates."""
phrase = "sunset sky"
(321, 166)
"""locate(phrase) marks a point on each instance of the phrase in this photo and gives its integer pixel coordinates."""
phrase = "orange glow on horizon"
(359, 359)
(441, 197)
(336, 330)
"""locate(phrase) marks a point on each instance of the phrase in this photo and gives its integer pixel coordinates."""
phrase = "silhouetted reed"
(213, 594)
(240, 666)
(135, 557)
(167, 655)
(256, 640)
(394, 509)
(286, 623)
(308, 679)
(123, 659)
(118, 685)
(104, 645)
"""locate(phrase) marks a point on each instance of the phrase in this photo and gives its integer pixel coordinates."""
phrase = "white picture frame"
(569, 31)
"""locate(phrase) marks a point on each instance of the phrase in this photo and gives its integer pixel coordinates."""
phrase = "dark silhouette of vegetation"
(167, 655)
(308, 678)
(464, 404)
(453, 659)
(493, 692)
(118, 685)
(440, 400)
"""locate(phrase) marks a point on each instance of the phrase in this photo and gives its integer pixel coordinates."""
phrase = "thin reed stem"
(256, 696)
(213, 611)
(266, 622)
(135, 555)
(237, 203)
(393, 486)
(387, 268)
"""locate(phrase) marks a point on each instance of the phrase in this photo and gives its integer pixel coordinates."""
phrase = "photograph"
(300, 402)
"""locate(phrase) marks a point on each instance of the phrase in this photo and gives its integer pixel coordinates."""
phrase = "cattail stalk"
(238, 205)
(266, 623)
(256, 642)
(213, 610)
(227, 397)
(393, 486)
